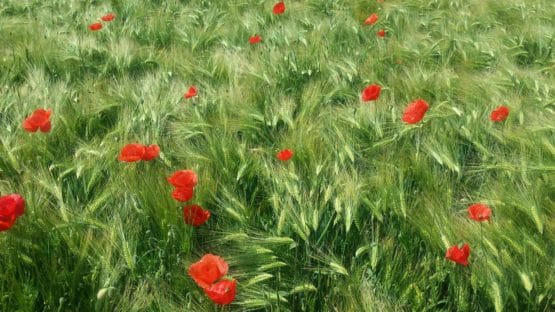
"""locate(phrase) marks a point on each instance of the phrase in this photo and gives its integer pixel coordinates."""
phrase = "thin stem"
(482, 240)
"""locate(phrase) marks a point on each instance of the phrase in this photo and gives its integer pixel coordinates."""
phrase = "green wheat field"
(362, 215)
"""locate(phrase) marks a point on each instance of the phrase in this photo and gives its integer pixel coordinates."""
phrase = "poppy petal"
(7, 206)
(11, 207)
(108, 17)
(151, 152)
(191, 92)
(29, 126)
(43, 113)
(183, 178)
(6, 222)
(132, 152)
(415, 111)
(46, 126)
(499, 114)
(459, 256)
(14, 200)
(371, 93)
(279, 8)
(207, 270)
(479, 212)
(284, 155)
(195, 215)
(95, 26)
(372, 19)
(255, 39)
(183, 194)
(39, 119)
(222, 292)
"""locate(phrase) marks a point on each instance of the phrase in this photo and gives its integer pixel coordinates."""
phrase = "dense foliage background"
(358, 220)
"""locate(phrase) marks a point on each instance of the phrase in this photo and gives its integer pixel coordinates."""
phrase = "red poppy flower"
(95, 26)
(183, 194)
(183, 178)
(207, 270)
(40, 119)
(415, 111)
(284, 155)
(195, 215)
(381, 33)
(11, 207)
(499, 114)
(151, 152)
(108, 17)
(222, 292)
(132, 152)
(255, 39)
(279, 8)
(479, 212)
(371, 20)
(371, 93)
(191, 92)
(457, 255)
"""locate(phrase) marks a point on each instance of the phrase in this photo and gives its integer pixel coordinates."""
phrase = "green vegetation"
(358, 220)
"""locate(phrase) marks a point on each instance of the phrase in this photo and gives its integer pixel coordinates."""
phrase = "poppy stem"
(482, 240)
(417, 138)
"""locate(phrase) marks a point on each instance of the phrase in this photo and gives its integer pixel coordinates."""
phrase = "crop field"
(259, 155)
